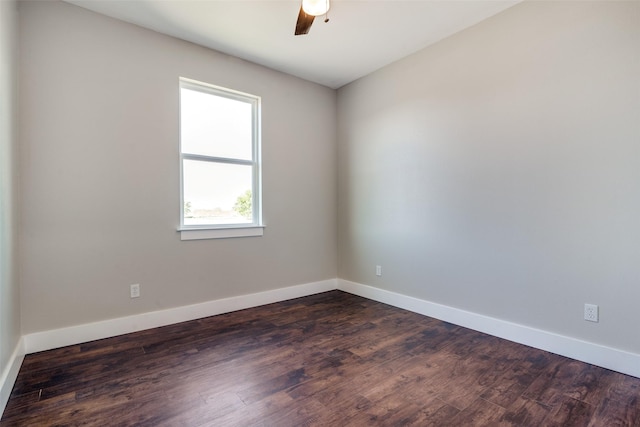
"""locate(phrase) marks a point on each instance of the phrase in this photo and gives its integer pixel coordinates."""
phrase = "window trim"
(221, 231)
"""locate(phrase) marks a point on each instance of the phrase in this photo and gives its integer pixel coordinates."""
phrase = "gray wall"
(100, 173)
(498, 171)
(9, 291)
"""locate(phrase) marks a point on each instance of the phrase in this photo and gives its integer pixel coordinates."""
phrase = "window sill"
(220, 233)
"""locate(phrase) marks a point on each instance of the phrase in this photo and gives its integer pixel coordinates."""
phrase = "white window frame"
(220, 231)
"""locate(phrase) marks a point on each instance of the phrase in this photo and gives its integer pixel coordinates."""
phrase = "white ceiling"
(361, 36)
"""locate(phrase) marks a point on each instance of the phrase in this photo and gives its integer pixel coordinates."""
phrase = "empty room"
(303, 212)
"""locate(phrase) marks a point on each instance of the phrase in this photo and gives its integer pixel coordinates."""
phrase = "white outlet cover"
(134, 290)
(591, 312)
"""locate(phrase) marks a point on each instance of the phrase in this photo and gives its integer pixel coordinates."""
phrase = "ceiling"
(361, 36)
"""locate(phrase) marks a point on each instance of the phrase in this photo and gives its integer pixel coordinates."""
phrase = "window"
(220, 162)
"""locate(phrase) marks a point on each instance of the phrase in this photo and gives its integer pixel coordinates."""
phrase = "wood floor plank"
(591, 385)
(479, 413)
(331, 359)
(465, 384)
(525, 412)
(613, 413)
(569, 412)
(517, 378)
(554, 380)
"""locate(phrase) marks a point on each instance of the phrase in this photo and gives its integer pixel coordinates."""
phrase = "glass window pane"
(216, 193)
(212, 125)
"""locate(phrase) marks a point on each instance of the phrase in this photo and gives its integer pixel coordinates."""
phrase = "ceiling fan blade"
(304, 22)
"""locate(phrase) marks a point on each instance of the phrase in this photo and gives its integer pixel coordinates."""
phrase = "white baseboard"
(10, 373)
(56, 338)
(595, 354)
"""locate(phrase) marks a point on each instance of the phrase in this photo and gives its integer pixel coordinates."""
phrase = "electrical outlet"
(134, 290)
(591, 312)
(378, 270)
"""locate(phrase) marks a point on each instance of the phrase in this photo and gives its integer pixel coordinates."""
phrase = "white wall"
(498, 171)
(100, 178)
(9, 290)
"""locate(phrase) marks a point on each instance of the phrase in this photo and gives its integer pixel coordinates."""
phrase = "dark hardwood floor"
(332, 359)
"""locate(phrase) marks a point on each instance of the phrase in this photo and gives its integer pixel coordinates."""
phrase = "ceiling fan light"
(315, 7)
